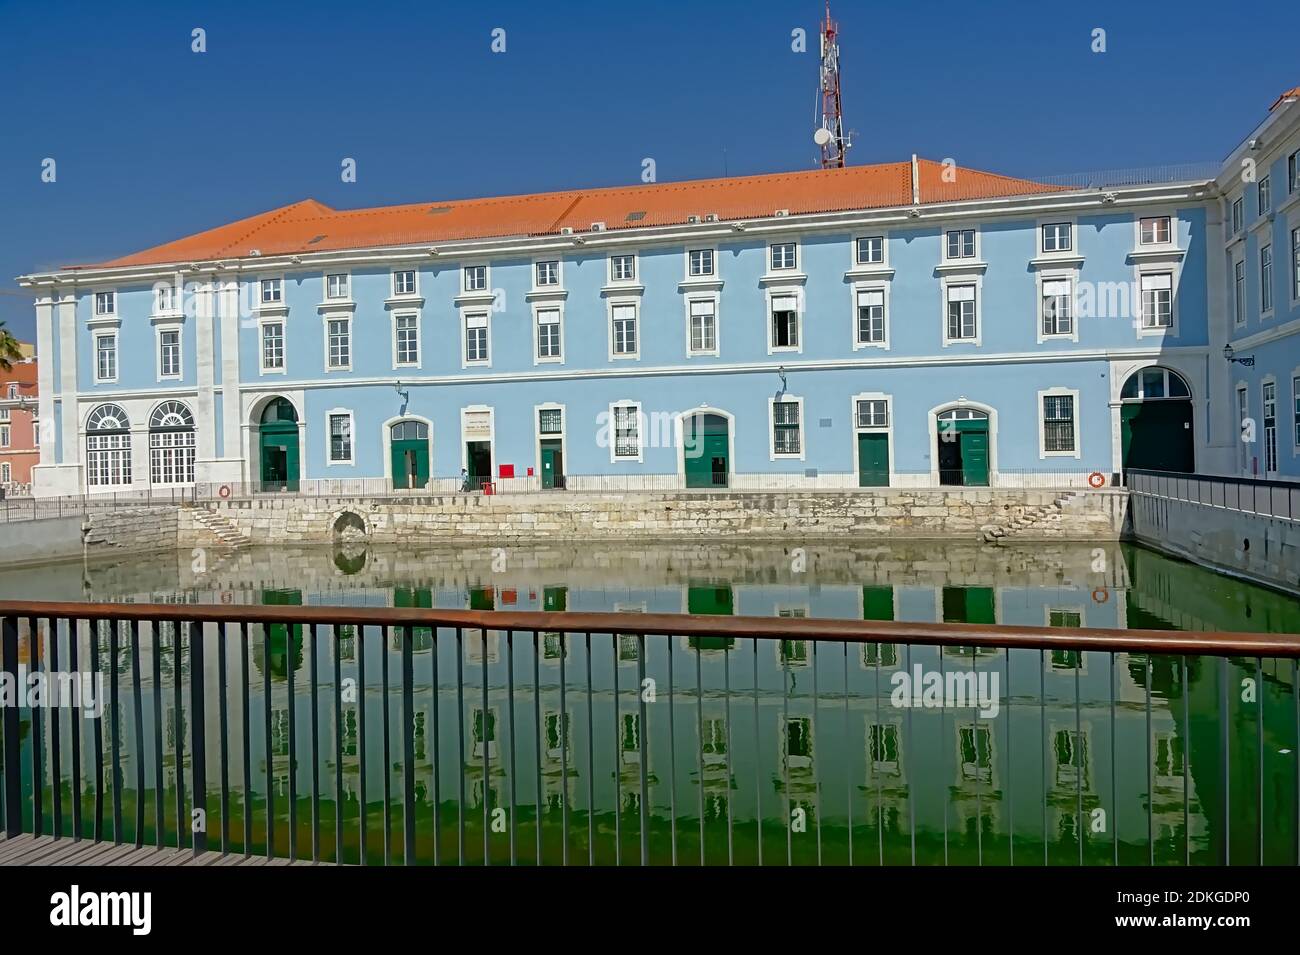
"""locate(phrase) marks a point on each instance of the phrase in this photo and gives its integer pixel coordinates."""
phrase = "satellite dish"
(822, 136)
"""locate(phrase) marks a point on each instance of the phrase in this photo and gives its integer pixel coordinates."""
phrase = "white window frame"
(1295, 411)
(538, 308)
(5, 435)
(1266, 291)
(172, 307)
(1293, 173)
(887, 429)
(974, 257)
(1264, 196)
(955, 281)
(796, 293)
(610, 305)
(1174, 271)
(1043, 453)
(1294, 277)
(1238, 215)
(627, 280)
(1243, 412)
(392, 284)
(325, 287)
(471, 268)
(784, 269)
(857, 288)
(539, 437)
(117, 358)
(1070, 232)
(111, 300)
(1239, 291)
(263, 285)
(1265, 383)
(1041, 278)
(1157, 244)
(884, 251)
(396, 315)
(330, 415)
(710, 275)
(465, 315)
(325, 322)
(716, 301)
(613, 432)
(284, 345)
(159, 331)
(772, 402)
(559, 274)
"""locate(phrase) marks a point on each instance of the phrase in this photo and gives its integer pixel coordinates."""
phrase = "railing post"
(198, 753)
(13, 781)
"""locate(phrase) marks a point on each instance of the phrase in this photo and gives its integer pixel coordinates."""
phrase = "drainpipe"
(916, 181)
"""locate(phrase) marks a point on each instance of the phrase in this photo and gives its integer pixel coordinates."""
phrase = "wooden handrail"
(687, 625)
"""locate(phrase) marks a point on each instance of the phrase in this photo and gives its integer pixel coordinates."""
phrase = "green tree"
(9, 352)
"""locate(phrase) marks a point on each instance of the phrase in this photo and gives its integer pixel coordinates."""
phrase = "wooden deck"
(46, 850)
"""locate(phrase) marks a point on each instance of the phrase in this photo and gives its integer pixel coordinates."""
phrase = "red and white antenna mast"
(830, 135)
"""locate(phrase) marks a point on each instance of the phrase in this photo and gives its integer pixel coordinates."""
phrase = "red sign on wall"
(505, 471)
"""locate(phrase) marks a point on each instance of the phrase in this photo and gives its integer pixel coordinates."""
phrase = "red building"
(19, 428)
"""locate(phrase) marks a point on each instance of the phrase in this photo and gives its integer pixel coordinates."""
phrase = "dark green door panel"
(1157, 435)
(873, 459)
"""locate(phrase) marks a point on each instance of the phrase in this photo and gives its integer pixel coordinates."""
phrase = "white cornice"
(1000, 207)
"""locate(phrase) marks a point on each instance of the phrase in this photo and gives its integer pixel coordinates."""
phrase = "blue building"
(909, 324)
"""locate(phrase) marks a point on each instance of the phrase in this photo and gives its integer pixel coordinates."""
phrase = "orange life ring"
(1100, 595)
(1096, 479)
(223, 491)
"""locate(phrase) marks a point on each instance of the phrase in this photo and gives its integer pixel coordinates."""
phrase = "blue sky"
(153, 141)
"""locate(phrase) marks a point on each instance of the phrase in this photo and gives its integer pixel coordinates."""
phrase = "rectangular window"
(272, 291)
(548, 273)
(1239, 290)
(785, 322)
(1264, 196)
(340, 439)
(1295, 401)
(871, 250)
(1155, 230)
(1058, 315)
(476, 337)
(627, 431)
(340, 342)
(548, 333)
(1295, 263)
(475, 278)
(1270, 426)
(273, 346)
(169, 354)
(624, 330)
(784, 256)
(105, 303)
(701, 262)
(871, 317)
(1293, 172)
(961, 313)
(164, 298)
(1238, 214)
(1243, 413)
(407, 330)
(1266, 279)
(1158, 300)
(550, 421)
(336, 285)
(105, 357)
(961, 244)
(404, 282)
(1058, 423)
(704, 326)
(4, 435)
(873, 413)
(622, 268)
(1056, 237)
(786, 427)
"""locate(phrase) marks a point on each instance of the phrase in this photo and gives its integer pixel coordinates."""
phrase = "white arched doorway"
(963, 444)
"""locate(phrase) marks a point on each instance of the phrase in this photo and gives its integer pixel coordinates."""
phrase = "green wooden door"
(410, 463)
(706, 451)
(279, 452)
(712, 600)
(969, 605)
(552, 465)
(975, 458)
(873, 459)
(1157, 435)
(284, 643)
(877, 603)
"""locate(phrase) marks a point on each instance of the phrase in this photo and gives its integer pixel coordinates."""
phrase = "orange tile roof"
(1293, 93)
(310, 226)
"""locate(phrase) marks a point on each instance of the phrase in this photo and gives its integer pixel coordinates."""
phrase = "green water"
(775, 751)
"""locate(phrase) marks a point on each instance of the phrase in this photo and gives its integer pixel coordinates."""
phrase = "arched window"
(1154, 382)
(108, 447)
(962, 414)
(410, 431)
(171, 444)
(279, 411)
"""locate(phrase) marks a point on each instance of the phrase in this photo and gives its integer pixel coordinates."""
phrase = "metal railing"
(440, 736)
(1135, 176)
(36, 508)
(1248, 495)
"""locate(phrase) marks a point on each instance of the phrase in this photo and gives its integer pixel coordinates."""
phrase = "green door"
(552, 464)
(278, 446)
(975, 458)
(706, 450)
(968, 605)
(873, 459)
(1157, 435)
(283, 651)
(715, 601)
(410, 464)
(877, 603)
